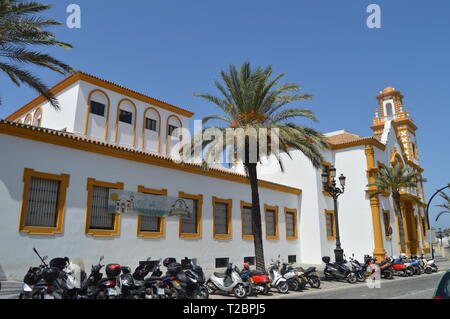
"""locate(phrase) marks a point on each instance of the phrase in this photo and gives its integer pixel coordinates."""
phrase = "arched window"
(151, 130)
(126, 123)
(172, 135)
(389, 109)
(37, 118)
(97, 115)
(28, 119)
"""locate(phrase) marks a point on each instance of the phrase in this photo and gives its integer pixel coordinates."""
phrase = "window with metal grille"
(290, 224)
(250, 260)
(100, 217)
(247, 228)
(330, 224)
(172, 129)
(386, 220)
(151, 124)
(221, 218)
(150, 223)
(222, 262)
(271, 223)
(97, 108)
(42, 203)
(292, 259)
(125, 117)
(189, 226)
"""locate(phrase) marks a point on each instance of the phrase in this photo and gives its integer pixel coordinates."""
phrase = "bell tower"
(391, 108)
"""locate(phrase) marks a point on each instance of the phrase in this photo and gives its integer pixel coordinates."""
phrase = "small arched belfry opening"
(126, 123)
(97, 115)
(151, 130)
(28, 119)
(173, 136)
(37, 117)
(396, 158)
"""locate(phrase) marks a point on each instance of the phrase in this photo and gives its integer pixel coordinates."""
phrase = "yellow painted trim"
(167, 130)
(243, 205)
(91, 182)
(197, 235)
(330, 212)
(63, 185)
(229, 203)
(295, 212)
(362, 142)
(34, 116)
(162, 220)
(159, 128)
(88, 111)
(80, 76)
(134, 120)
(277, 232)
(106, 149)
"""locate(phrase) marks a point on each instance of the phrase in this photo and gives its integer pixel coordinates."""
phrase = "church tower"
(391, 109)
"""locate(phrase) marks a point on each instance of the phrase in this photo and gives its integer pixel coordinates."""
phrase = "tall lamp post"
(335, 192)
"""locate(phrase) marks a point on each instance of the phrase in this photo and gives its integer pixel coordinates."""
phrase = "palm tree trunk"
(256, 217)
(398, 213)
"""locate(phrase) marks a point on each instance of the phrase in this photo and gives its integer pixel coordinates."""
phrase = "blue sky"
(171, 49)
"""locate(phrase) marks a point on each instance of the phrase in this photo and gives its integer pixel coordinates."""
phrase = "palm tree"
(20, 29)
(445, 205)
(250, 100)
(392, 180)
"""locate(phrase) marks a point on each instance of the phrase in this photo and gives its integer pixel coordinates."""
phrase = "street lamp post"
(335, 192)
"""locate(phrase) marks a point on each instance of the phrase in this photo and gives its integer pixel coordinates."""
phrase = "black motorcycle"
(338, 271)
(311, 276)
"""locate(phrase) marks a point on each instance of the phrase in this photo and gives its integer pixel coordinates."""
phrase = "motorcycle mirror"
(149, 258)
(101, 258)
(45, 258)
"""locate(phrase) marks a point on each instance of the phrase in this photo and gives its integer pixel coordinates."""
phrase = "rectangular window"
(271, 222)
(329, 220)
(151, 226)
(291, 224)
(222, 218)
(43, 203)
(222, 262)
(386, 221)
(292, 259)
(250, 260)
(172, 130)
(97, 108)
(326, 169)
(126, 117)
(99, 221)
(191, 228)
(151, 124)
(246, 220)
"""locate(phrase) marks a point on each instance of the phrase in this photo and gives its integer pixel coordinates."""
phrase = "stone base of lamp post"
(339, 255)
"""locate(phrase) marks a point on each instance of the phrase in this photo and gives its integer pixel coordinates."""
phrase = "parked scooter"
(427, 264)
(294, 277)
(399, 268)
(362, 271)
(276, 278)
(33, 276)
(338, 271)
(259, 281)
(311, 276)
(228, 282)
(132, 285)
(386, 269)
(193, 270)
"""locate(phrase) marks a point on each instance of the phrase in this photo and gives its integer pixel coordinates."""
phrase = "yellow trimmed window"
(330, 225)
(246, 221)
(100, 222)
(326, 166)
(291, 224)
(43, 203)
(151, 226)
(271, 213)
(192, 228)
(222, 218)
(387, 223)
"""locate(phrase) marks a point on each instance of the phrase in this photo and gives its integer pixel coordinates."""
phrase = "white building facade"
(57, 166)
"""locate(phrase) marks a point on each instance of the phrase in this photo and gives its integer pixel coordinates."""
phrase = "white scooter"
(229, 282)
(277, 278)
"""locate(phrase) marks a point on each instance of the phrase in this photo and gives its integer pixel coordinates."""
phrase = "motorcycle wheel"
(266, 290)
(211, 288)
(416, 271)
(388, 274)
(283, 287)
(249, 290)
(435, 268)
(314, 282)
(351, 278)
(303, 283)
(202, 293)
(428, 270)
(294, 285)
(239, 291)
(360, 278)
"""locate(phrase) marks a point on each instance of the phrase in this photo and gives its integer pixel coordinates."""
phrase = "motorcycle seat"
(219, 275)
(257, 273)
(310, 270)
